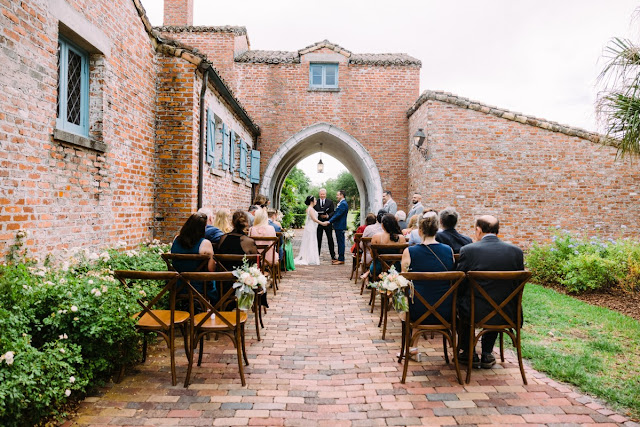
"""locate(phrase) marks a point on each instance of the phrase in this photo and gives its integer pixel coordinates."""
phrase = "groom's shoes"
(336, 262)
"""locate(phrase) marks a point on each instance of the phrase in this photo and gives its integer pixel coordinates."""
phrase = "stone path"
(321, 362)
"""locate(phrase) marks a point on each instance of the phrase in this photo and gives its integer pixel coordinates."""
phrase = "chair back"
(228, 259)
(211, 310)
(200, 260)
(392, 254)
(366, 248)
(454, 278)
(171, 286)
(356, 239)
(511, 284)
(266, 245)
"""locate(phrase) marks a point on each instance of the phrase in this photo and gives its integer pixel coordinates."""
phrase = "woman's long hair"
(192, 230)
(260, 218)
(223, 220)
(240, 222)
(391, 226)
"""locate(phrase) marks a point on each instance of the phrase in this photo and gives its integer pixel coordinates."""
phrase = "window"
(73, 88)
(323, 76)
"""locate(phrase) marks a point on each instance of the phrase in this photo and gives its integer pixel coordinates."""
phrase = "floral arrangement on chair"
(348, 235)
(249, 278)
(289, 234)
(393, 284)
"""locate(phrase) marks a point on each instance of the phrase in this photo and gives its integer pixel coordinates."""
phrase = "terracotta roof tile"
(383, 59)
(239, 31)
(268, 57)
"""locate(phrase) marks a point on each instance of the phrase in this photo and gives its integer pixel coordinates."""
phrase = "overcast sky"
(540, 58)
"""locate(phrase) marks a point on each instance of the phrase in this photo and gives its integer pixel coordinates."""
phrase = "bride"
(308, 254)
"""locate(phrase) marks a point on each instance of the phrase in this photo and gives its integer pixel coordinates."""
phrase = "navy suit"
(489, 254)
(339, 221)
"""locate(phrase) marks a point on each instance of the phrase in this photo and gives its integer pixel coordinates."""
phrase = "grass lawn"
(594, 348)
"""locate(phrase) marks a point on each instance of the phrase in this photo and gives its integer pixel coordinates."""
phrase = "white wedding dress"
(308, 254)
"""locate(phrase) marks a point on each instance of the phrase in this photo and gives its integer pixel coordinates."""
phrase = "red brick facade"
(532, 179)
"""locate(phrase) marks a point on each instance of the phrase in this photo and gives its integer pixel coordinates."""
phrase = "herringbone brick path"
(321, 362)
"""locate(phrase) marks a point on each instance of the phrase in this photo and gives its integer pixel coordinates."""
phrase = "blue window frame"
(211, 137)
(224, 161)
(323, 76)
(243, 159)
(73, 88)
(232, 151)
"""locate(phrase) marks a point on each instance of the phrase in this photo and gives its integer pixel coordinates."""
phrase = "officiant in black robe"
(325, 209)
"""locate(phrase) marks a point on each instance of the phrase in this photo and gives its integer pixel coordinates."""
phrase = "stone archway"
(335, 142)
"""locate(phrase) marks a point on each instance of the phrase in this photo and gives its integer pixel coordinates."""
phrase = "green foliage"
(68, 328)
(591, 347)
(586, 265)
(344, 181)
(294, 192)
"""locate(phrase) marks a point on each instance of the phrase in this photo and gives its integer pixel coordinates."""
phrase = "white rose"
(254, 271)
(104, 288)
(67, 392)
(250, 281)
(62, 350)
(8, 357)
(244, 277)
(98, 293)
(392, 286)
(72, 379)
(90, 282)
(262, 280)
(74, 308)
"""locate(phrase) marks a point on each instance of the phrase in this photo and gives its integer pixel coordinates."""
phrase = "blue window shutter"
(232, 150)
(225, 148)
(211, 141)
(243, 159)
(255, 166)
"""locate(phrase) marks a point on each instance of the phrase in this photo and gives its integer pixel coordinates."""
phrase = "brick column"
(178, 12)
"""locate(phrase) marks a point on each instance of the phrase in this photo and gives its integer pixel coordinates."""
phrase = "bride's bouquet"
(249, 278)
(393, 284)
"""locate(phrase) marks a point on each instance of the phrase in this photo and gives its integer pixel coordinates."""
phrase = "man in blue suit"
(339, 222)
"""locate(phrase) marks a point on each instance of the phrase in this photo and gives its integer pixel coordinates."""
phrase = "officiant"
(325, 209)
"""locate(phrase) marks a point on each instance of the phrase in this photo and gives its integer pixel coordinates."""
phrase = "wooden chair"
(223, 260)
(412, 330)
(264, 244)
(215, 321)
(386, 261)
(159, 321)
(202, 262)
(364, 265)
(356, 257)
(497, 320)
(281, 269)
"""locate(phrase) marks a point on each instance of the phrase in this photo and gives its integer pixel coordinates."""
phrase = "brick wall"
(178, 12)
(531, 178)
(69, 196)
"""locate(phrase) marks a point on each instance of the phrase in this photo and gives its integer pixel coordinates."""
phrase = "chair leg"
(382, 298)
(519, 351)
(201, 351)
(256, 313)
(470, 349)
(501, 347)
(401, 355)
(407, 346)
(172, 351)
(260, 313)
(244, 350)
(372, 299)
(385, 309)
(144, 347)
(239, 353)
(183, 330)
(191, 350)
(444, 346)
(454, 347)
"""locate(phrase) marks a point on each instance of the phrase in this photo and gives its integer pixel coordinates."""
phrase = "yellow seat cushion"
(214, 322)
(146, 321)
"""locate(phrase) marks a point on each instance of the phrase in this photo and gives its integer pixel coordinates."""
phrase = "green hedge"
(65, 330)
(581, 265)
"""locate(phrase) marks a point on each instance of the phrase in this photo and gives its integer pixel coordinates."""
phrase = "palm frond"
(622, 113)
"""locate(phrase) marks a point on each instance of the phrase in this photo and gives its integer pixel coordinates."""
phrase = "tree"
(619, 103)
(344, 181)
(294, 192)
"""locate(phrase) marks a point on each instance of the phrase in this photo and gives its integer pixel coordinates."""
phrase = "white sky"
(540, 58)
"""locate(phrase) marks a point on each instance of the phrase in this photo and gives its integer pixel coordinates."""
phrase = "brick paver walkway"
(321, 362)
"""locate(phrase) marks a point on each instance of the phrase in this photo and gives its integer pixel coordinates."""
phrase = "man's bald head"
(488, 224)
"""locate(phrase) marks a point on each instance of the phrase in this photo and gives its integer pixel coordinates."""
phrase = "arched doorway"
(335, 142)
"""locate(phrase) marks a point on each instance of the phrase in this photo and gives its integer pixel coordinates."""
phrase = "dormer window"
(323, 76)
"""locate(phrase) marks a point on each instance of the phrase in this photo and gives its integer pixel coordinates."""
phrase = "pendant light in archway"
(320, 164)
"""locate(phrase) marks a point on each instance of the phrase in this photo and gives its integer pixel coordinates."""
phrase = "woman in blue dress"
(429, 256)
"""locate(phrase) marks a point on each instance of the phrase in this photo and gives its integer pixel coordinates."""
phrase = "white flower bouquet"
(393, 284)
(248, 279)
(289, 234)
(348, 235)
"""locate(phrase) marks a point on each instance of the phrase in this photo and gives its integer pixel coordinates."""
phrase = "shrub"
(64, 330)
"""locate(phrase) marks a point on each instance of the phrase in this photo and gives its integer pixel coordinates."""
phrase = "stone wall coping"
(79, 140)
(449, 98)
(237, 30)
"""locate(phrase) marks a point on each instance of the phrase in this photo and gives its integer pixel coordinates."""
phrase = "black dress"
(237, 244)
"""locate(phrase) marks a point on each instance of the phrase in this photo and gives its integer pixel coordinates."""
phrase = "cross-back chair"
(364, 264)
(356, 257)
(199, 261)
(223, 260)
(269, 264)
(391, 255)
(160, 321)
(498, 318)
(414, 329)
(215, 320)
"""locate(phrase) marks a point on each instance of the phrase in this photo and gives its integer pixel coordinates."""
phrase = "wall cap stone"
(80, 141)
(449, 98)
(237, 30)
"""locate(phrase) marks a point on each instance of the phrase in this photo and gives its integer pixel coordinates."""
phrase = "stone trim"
(461, 102)
(237, 30)
(323, 89)
(80, 141)
(268, 57)
(325, 44)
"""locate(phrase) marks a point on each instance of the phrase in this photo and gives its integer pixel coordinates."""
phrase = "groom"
(339, 221)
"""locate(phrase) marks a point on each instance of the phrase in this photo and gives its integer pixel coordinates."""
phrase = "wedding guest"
(261, 200)
(390, 234)
(449, 236)
(251, 213)
(414, 237)
(390, 206)
(413, 225)
(211, 232)
(369, 220)
(223, 220)
(370, 231)
(272, 214)
(401, 216)
(417, 208)
(429, 256)
(191, 240)
(261, 228)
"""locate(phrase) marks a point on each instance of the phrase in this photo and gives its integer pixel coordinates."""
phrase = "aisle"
(321, 362)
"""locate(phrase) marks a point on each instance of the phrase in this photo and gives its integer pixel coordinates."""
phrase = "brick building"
(112, 130)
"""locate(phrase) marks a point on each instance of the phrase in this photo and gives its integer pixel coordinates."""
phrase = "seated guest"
(390, 234)
(223, 220)
(369, 220)
(429, 256)
(211, 232)
(261, 200)
(449, 236)
(251, 213)
(271, 213)
(401, 216)
(414, 236)
(412, 225)
(372, 230)
(488, 253)
(191, 240)
(261, 228)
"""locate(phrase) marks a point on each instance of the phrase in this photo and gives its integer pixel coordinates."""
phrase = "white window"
(323, 76)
